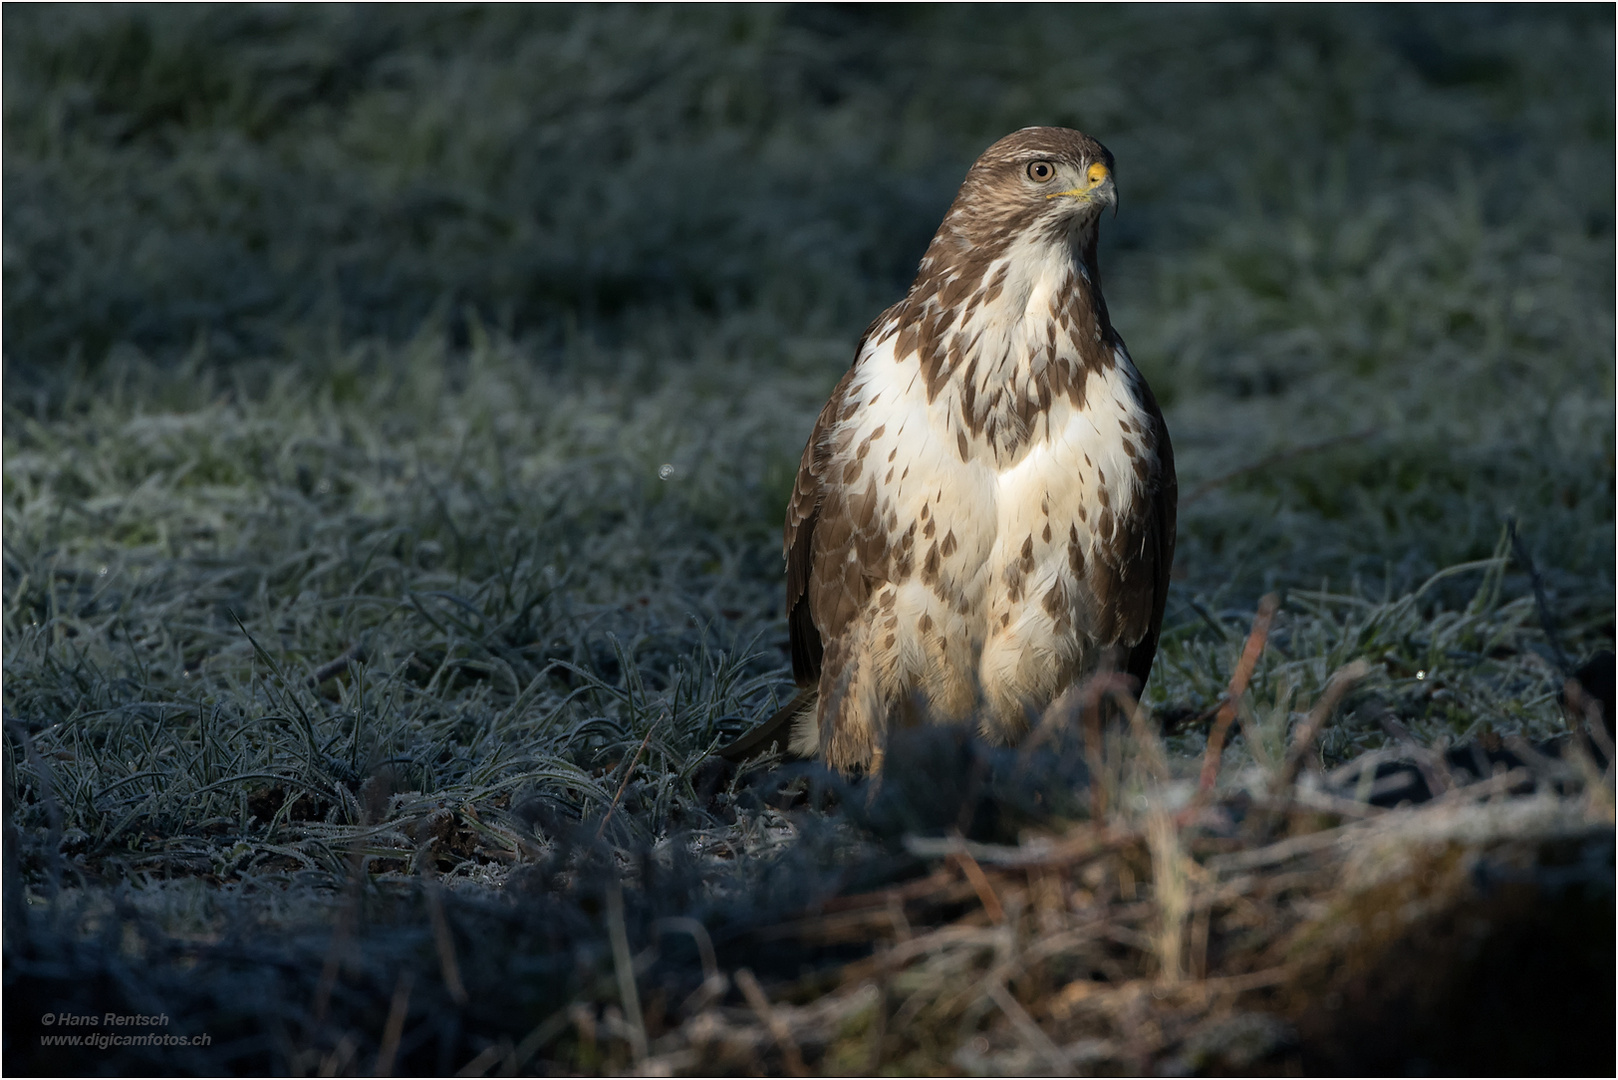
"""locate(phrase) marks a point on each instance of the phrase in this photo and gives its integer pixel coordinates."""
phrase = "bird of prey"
(984, 512)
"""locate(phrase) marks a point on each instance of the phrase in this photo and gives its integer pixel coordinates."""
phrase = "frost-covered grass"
(478, 347)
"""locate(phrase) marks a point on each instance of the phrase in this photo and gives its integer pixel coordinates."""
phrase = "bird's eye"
(1041, 171)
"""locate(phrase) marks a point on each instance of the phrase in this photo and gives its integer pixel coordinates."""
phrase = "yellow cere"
(1094, 175)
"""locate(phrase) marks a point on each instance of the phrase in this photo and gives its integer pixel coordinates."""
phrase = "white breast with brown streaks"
(990, 599)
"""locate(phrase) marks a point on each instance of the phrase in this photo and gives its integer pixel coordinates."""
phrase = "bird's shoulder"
(841, 407)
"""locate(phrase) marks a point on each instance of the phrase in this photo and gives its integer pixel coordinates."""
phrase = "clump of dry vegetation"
(1268, 925)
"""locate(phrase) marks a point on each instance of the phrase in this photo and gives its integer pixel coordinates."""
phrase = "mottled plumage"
(985, 509)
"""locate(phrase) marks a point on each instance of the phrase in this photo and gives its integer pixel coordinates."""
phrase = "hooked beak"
(1101, 191)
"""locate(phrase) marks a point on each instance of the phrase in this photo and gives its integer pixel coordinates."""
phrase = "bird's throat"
(1035, 340)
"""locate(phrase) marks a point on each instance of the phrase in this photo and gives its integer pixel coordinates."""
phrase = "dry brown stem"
(393, 1029)
(778, 1028)
(980, 882)
(1251, 650)
(1341, 682)
(629, 772)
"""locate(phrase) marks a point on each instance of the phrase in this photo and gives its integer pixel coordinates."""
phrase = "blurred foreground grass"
(463, 356)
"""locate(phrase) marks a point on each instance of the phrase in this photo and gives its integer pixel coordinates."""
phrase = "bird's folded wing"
(803, 514)
(1157, 553)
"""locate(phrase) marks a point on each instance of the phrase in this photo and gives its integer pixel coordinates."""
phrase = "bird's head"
(1054, 180)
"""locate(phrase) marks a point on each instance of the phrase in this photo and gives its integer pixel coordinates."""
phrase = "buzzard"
(984, 512)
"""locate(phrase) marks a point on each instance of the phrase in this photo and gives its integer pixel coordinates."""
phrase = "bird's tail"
(776, 732)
